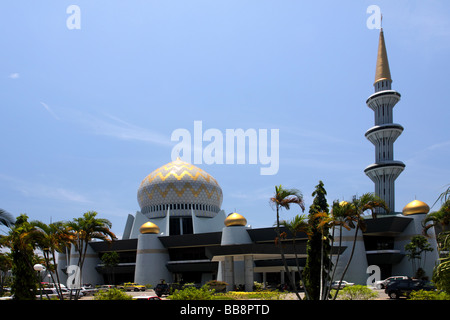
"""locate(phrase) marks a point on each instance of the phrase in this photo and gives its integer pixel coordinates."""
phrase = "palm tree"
(367, 202)
(86, 229)
(298, 224)
(439, 218)
(52, 238)
(341, 213)
(283, 199)
(6, 218)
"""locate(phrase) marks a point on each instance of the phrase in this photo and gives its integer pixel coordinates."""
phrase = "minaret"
(383, 135)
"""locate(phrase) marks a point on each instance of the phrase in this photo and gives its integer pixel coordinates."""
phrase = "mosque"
(182, 234)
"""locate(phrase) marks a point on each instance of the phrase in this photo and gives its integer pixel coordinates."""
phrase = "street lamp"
(39, 267)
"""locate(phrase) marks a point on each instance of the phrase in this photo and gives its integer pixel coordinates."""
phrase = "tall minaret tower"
(383, 135)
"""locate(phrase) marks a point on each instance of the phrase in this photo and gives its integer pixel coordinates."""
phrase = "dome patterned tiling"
(180, 187)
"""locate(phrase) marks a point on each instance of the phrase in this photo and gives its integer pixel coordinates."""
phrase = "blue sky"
(87, 113)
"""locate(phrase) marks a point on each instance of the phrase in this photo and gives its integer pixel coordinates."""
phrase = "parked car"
(383, 283)
(162, 289)
(398, 288)
(52, 293)
(341, 284)
(131, 286)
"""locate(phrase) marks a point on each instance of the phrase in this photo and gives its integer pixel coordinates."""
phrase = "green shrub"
(429, 295)
(192, 293)
(112, 294)
(260, 295)
(356, 292)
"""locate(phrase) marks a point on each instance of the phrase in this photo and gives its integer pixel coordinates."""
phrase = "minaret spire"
(383, 135)
(382, 71)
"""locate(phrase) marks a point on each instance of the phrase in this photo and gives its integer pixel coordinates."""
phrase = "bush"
(261, 295)
(192, 293)
(429, 295)
(356, 292)
(112, 294)
(217, 286)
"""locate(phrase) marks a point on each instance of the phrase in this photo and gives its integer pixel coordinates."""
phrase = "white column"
(248, 261)
(229, 272)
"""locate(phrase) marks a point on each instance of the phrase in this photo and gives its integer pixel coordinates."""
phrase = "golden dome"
(149, 227)
(179, 185)
(343, 203)
(235, 219)
(416, 207)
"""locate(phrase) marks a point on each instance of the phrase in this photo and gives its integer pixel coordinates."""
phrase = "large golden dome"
(416, 207)
(180, 187)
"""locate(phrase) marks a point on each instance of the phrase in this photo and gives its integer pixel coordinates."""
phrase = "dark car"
(398, 288)
(162, 289)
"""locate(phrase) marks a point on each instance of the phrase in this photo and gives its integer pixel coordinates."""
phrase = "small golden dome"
(235, 219)
(149, 227)
(416, 207)
(343, 203)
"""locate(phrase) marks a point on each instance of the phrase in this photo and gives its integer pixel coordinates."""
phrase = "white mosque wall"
(356, 272)
(404, 268)
(151, 259)
(128, 227)
(89, 274)
(203, 225)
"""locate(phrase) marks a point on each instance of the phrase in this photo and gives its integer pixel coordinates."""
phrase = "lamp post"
(39, 267)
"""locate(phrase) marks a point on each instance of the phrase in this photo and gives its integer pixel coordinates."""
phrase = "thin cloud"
(39, 190)
(14, 75)
(50, 110)
(120, 129)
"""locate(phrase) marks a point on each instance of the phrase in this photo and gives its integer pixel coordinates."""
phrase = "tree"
(52, 238)
(367, 202)
(86, 229)
(414, 249)
(19, 241)
(5, 266)
(441, 273)
(341, 215)
(110, 260)
(297, 225)
(282, 199)
(318, 245)
(440, 218)
(6, 218)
